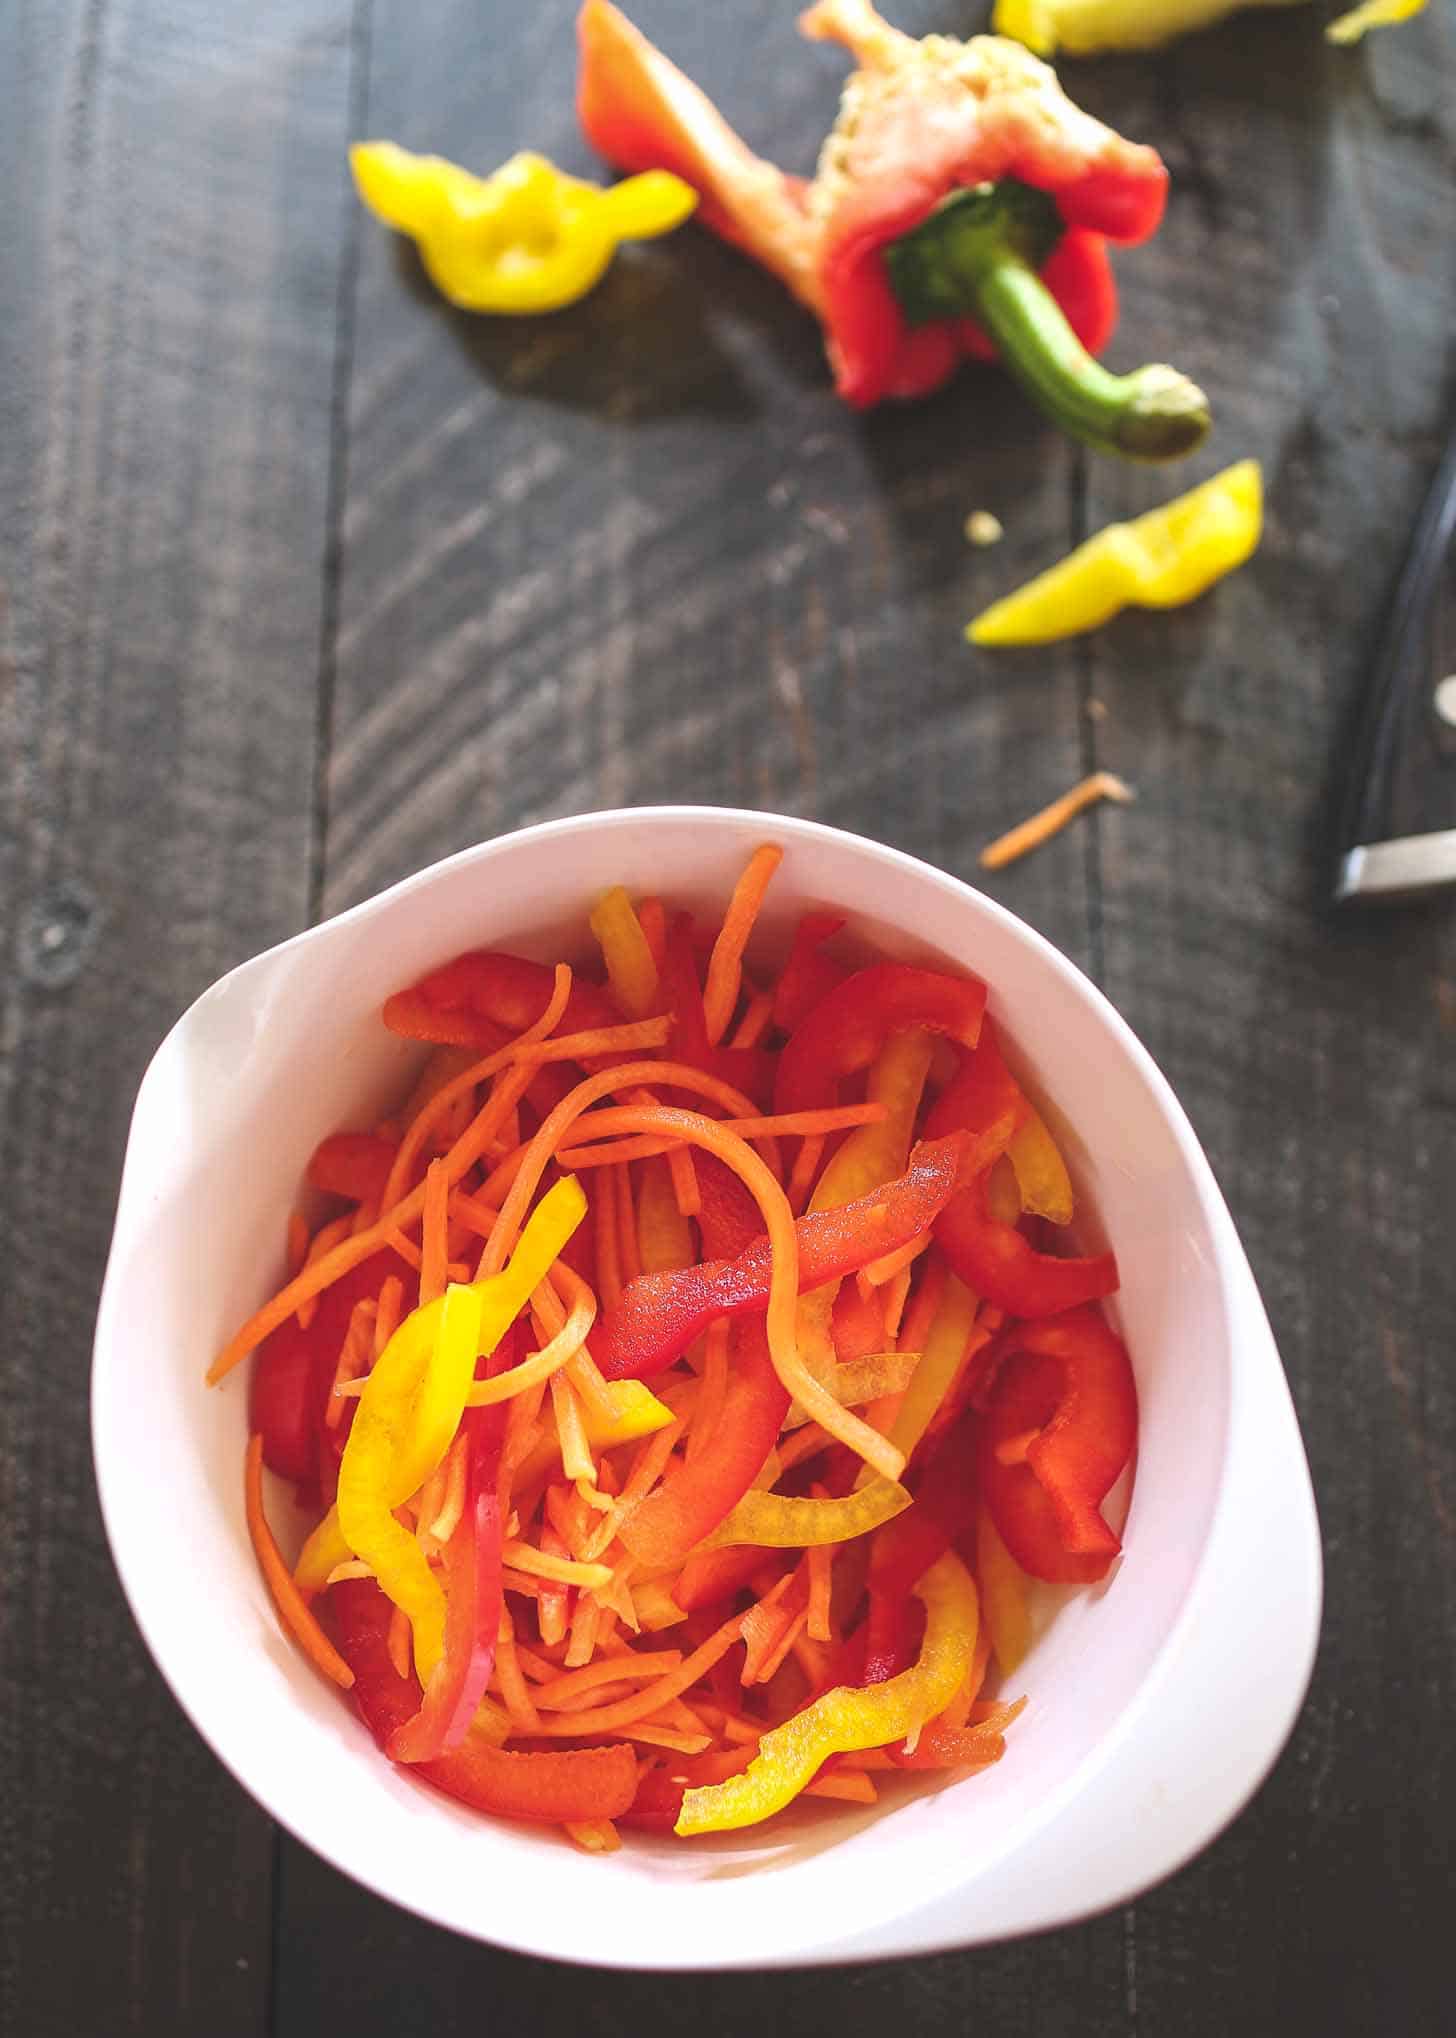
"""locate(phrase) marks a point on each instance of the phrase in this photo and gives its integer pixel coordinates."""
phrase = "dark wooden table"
(306, 580)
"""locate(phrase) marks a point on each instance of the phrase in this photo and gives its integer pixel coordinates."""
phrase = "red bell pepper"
(992, 1258)
(729, 1220)
(657, 1316)
(658, 1803)
(944, 1510)
(808, 975)
(485, 998)
(747, 1069)
(961, 207)
(294, 1370)
(1067, 1386)
(472, 1620)
(354, 1165)
(846, 1030)
(693, 1499)
(580, 1783)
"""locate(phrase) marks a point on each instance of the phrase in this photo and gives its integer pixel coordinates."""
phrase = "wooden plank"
(1309, 277)
(638, 552)
(169, 275)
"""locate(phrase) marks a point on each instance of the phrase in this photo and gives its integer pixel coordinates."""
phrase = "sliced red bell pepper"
(658, 1803)
(857, 1323)
(845, 1031)
(354, 1165)
(712, 1575)
(657, 1316)
(1067, 1386)
(728, 1218)
(693, 1499)
(808, 975)
(747, 1069)
(472, 1620)
(992, 1258)
(943, 1510)
(581, 1783)
(294, 1370)
(489, 997)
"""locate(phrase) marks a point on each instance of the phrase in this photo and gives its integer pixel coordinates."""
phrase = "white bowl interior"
(290, 1047)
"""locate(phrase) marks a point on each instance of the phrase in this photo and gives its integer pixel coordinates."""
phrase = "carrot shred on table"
(292, 1609)
(725, 964)
(1041, 827)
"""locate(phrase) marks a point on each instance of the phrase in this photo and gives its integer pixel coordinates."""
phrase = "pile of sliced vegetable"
(685, 1383)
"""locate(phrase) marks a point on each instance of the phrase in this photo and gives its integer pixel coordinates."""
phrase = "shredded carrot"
(608, 1233)
(765, 1624)
(788, 1124)
(447, 1516)
(820, 1561)
(593, 1836)
(581, 1640)
(897, 1293)
(846, 1786)
(292, 1608)
(323, 1242)
(725, 965)
(576, 1459)
(806, 1167)
(625, 1039)
(434, 1250)
(755, 1021)
(924, 1306)
(778, 1655)
(647, 1469)
(296, 1243)
(615, 1718)
(387, 1312)
(1040, 828)
(879, 1271)
(353, 1356)
(684, 1180)
(518, 1701)
(557, 1693)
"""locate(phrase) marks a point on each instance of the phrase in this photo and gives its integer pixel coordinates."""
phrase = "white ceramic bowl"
(1157, 1702)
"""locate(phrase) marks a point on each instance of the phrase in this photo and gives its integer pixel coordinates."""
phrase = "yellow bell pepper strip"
(939, 1368)
(1041, 1173)
(781, 1521)
(638, 1413)
(1347, 28)
(1003, 1595)
(1159, 561)
(631, 965)
(847, 1719)
(1083, 27)
(408, 1413)
(527, 239)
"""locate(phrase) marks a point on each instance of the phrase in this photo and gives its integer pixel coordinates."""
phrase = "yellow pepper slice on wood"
(846, 1719)
(1158, 561)
(527, 239)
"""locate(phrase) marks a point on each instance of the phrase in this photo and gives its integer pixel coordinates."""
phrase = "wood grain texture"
(169, 262)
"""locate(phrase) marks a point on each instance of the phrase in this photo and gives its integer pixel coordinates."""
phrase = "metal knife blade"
(1397, 830)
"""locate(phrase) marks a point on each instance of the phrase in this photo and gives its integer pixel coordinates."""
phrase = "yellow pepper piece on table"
(847, 1719)
(1158, 561)
(527, 239)
(1081, 27)
(413, 1399)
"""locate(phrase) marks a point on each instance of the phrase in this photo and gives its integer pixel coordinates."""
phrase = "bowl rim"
(913, 1927)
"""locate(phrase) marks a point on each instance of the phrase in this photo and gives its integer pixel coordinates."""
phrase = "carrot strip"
(847, 1786)
(581, 1640)
(1040, 828)
(779, 1653)
(577, 1461)
(353, 1353)
(518, 1701)
(434, 1250)
(291, 1606)
(924, 1308)
(629, 1252)
(624, 1039)
(323, 1242)
(897, 1293)
(652, 1697)
(593, 1836)
(755, 1021)
(557, 1693)
(684, 1180)
(820, 1561)
(725, 964)
(879, 1271)
(806, 1167)
(387, 1312)
(608, 1232)
(295, 1251)
(787, 1124)
(543, 1365)
(321, 1273)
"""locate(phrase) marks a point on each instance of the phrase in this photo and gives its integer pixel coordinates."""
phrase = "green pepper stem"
(976, 257)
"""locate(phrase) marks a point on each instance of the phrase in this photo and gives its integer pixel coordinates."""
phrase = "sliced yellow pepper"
(846, 1719)
(782, 1521)
(939, 1368)
(527, 239)
(1159, 561)
(413, 1400)
(1003, 1594)
(638, 1412)
(1081, 26)
(1041, 1173)
(631, 966)
(1373, 14)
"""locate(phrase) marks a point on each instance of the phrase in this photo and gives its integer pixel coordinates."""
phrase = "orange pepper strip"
(725, 965)
(292, 1608)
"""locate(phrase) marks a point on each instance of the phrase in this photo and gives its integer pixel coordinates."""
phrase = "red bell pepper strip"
(693, 1499)
(747, 1069)
(582, 1783)
(729, 1220)
(489, 997)
(658, 1803)
(713, 1575)
(961, 208)
(992, 1258)
(294, 1370)
(354, 1165)
(1068, 1386)
(808, 975)
(943, 1511)
(472, 1620)
(657, 1316)
(846, 1030)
